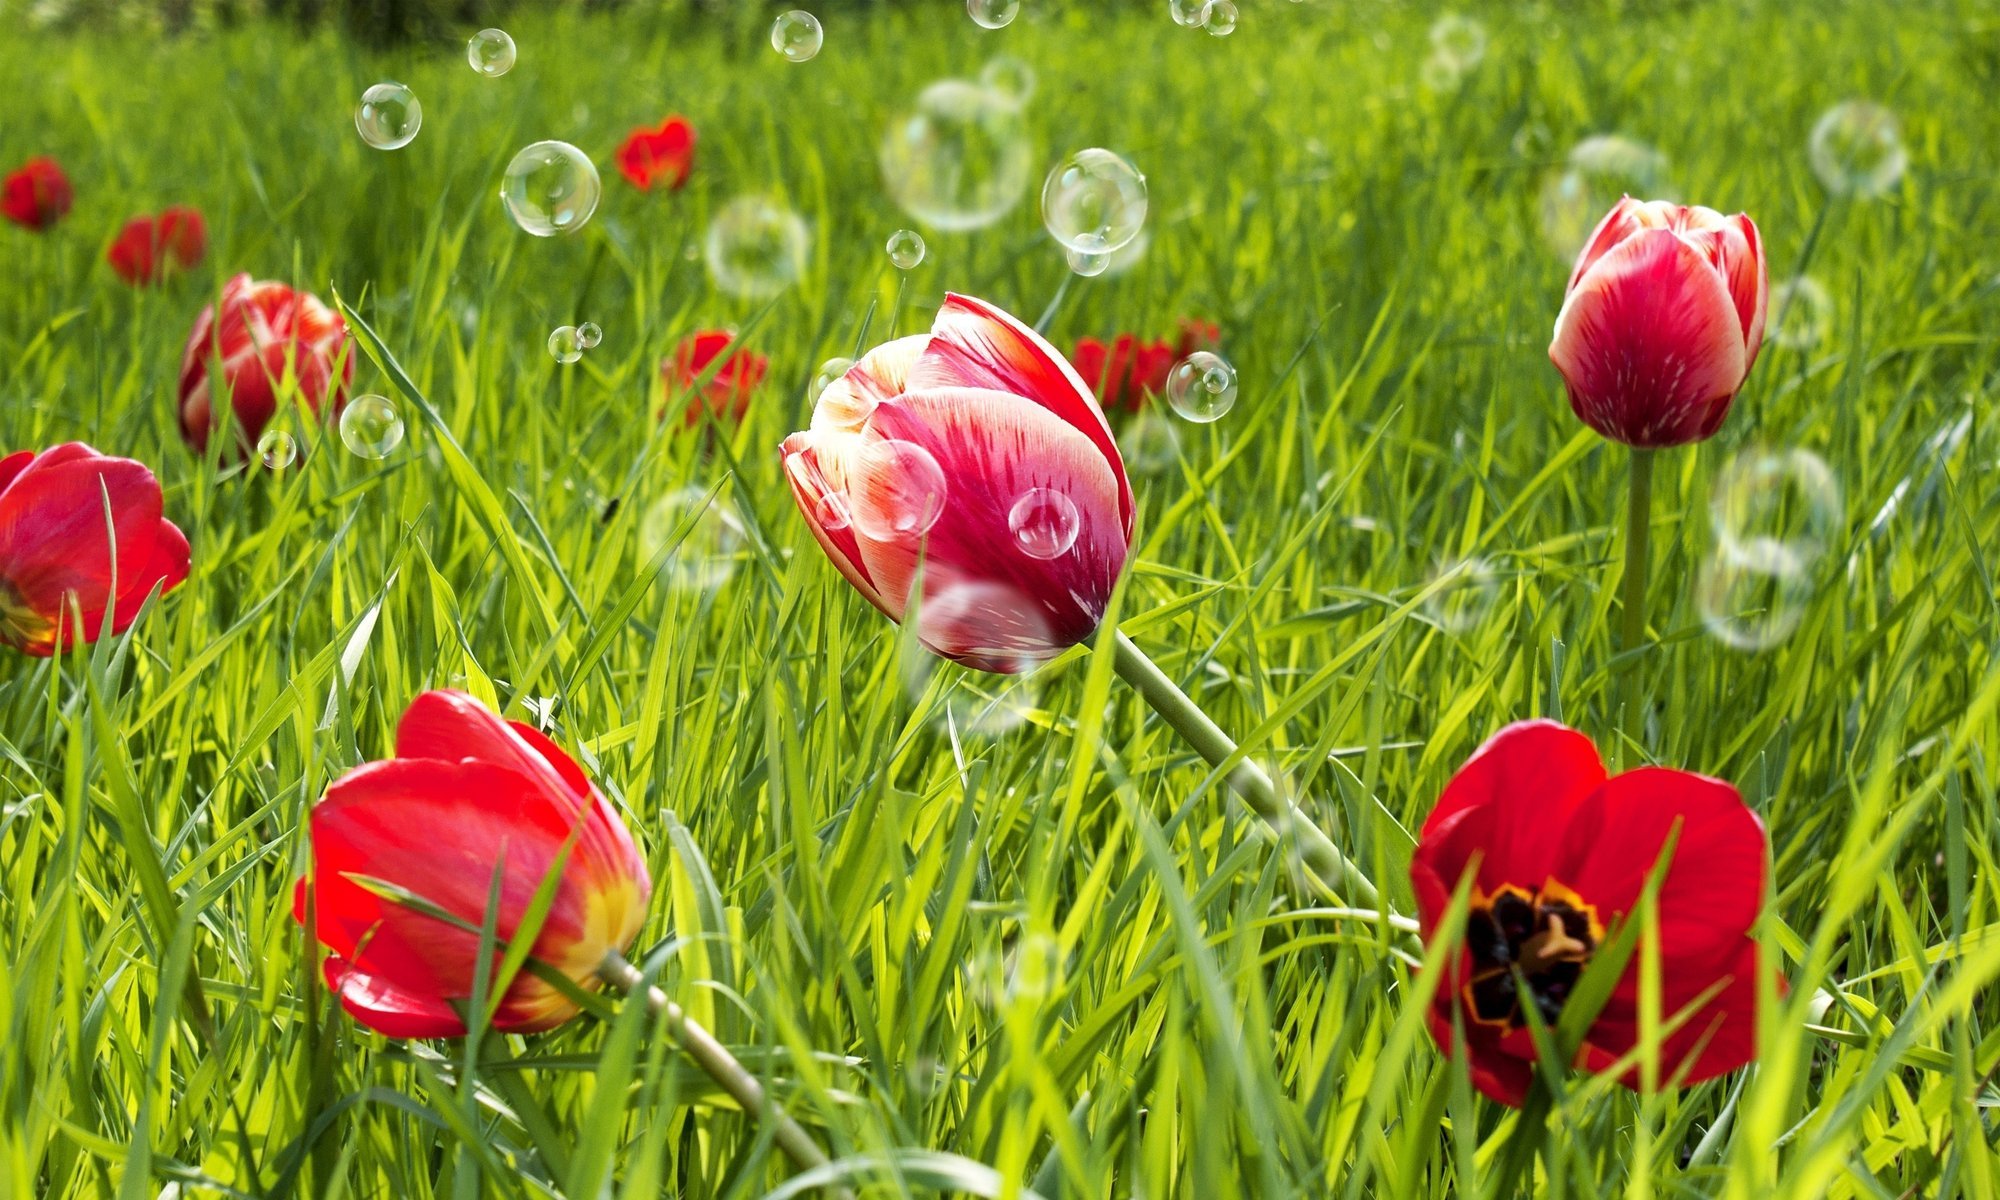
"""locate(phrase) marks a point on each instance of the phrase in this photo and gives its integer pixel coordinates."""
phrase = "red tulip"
(1197, 334)
(37, 195)
(663, 155)
(466, 794)
(1558, 855)
(265, 331)
(937, 446)
(149, 249)
(62, 553)
(727, 392)
(1663, 318)
(1126, 372)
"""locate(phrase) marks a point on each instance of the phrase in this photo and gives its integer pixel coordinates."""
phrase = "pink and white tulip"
(1662, 320)
(1001, 414)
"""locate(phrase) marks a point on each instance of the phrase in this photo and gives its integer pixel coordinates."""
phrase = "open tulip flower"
(1662, 320)
(977, 451)
(37, 195)
(663, 156)
(149, 249)
(66, 560)
(1559, 855)
(261, 331)
(466, 794)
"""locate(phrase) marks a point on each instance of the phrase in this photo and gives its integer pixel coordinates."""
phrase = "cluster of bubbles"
(756, 247)
(1093, 205)
(1856, 149)
(389, 116)
(370, 427)
(1801, 313)
(1776, 516)
(1458, 45)
(1202, 387)
(490, 52)
(906, 249)
(1216, 16)
(568, 342)
(1598, 171)
(796, 35)
(960, 158)
(550, 188)
(992, 14)
(707, 535)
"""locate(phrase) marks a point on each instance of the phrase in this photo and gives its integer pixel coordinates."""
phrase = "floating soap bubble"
(992, 14)
(1439, 73)
(712, 539)
(905, 491)
(491, 52)
(1775, 511)
(277, 449)
(1009, 78)
(1749, 607)
(1150, 444)
(906, 248)
(565, 344)
(550, 188)
(1801, 313)
(1599, 170)
(1459, 40)
(389, 116)
(1007, 629)
(756, 247)
(796, 35)
(1187, 13)
(1034, 969)
(1533, 140)
(1094, 201)
(1044, 523)
(1219, 17)
(588, 335)
(1856, 149)
(370, 427)
(960, 159)
(830, 370)
(1087, 264)
(1202, 387)
(1465, 594)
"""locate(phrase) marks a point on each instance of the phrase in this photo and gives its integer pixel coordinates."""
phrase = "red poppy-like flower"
(978, 451)
(266, 333)
(664, 155)
(727, 392)
(1560, 854)
(149, 249)
(1662, 320)
(467, 794)
(62, 553)
(37, 195)
(1127, 371)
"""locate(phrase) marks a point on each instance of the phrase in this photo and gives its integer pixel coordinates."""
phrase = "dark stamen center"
(1541, 941)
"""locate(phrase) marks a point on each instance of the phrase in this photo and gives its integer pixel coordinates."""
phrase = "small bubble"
(1857, 150)
(389, 116)
(550, 188)
(1464, 594)
(1094, 201)
(1187, 13)
(491, 52)
(797, 35)
(1086, 264)
(1202, 387)
(1440, 74)
(1004, 626)
(830, 370)
(1044, 523)
(1801, 313)
(370, 426)
(565, 344)
(1599, 170)
(277, 449)
(1150, 444)
(906, 248)
(1034, 969)
(992, 14)
(588, 335)
(1219, 18)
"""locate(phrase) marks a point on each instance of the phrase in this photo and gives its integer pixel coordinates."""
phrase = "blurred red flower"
(149, 249)
(663, 155)
(1126, 371)
(1558, 855)
(467, 794)
(266, 333)
(37, 195)
(59, 546)
(728, 390)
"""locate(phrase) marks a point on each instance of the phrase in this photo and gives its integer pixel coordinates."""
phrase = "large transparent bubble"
(389, 116)
(1776, 511)
(960, 159)
(550, 188)
(1857, 150)
(1599, 170)
(756, 247)
(1094, 202)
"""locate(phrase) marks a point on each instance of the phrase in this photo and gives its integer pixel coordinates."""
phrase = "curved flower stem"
(1638, 528)
(1333, 869)
(715, 1059)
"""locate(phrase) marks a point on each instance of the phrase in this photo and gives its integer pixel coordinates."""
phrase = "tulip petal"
(1626, 218)
(823, 503)
(1717, 1037)
(13, 465)
(1531, 777)
(53, 531)
(881, 374)
(387, 1009)
(1498, 1075)
(452, 726)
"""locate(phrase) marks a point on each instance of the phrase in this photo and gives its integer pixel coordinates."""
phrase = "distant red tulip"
(1197, 334)
(467, 794)
(149, 249)
(1559, 855)
(979, 451)
(1128, 370)
(1663, 318)
(265, 331)
(37, 195)
(659, 156)
(59, 547)
(728, 390)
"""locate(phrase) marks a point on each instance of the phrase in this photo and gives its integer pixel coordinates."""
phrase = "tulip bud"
(265, 333)
(1663, 318)
(148, 249)
(37, 195)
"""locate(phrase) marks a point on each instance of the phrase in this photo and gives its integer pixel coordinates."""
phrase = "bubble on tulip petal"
(899, 491)
(370, 426)
(830, 370)
(565, 344)
(550, 188)
(756, 247)
(797, 35)
(588, 335)
(491, 52)
(389, 116)
(277, 449)
(992, 14)
(1219, 17)
(1009, 78)
(1463, 594)
(1187, 13)
(1775, 511)
(1598, 171)
(1752, 608)
(1150, 444)
(1094, 201)
(906, 248)
(1801, 312)
(1459, 40)
(1856, 149)
(711, 537)
(1044, 523)
(960, 159)
(1002, 624)
(1086, 264)
(1202, 387)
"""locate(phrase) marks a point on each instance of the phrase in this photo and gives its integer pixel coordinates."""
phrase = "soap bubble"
(1087, 264)
(1459, 40)
(830, 370)
(389, 116)
(1439, 73)
(905, 493)
(1775, 511)
(565, 344)
(1750, 607)
(1856, 149)
(1009, 78)
(797, 35)
(708, 551)
(1187, 13)
(1465, 594)
(1010, 631)
(550, 188)
(588, 335)
(491, 52)
(756, 248)
(960, 160)
(277, 449)
(1044, 523)
(1094, 201)
(1599, 171)
(1202, 387)
(992, 14)
(1219, 18)
(906, 248)
(1801, 312)
(370, 426)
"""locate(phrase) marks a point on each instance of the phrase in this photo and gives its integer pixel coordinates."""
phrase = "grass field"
(1057, 955)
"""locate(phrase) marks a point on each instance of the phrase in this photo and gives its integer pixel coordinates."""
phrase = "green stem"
(1332, 868)
(1638, 528)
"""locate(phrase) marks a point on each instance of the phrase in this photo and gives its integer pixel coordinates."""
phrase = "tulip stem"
(715, 1059)
(1332, 868)
(1638, 529)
